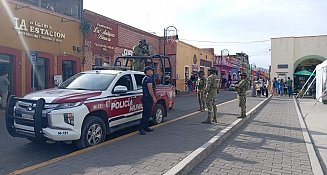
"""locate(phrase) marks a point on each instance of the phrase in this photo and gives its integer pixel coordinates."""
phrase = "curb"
(193, 159)
(314, 161)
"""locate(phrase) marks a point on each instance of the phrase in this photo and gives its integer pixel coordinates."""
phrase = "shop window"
(68, 69)
(40, 74)
(187, 73)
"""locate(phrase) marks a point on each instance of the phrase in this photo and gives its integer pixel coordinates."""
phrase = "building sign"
(37, 30)
(103, 46)
(103, 32)
(205, 63)
(33, 57)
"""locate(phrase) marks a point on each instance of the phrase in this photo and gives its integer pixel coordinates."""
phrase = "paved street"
(154, 153)
(270, 143)
(22, 153)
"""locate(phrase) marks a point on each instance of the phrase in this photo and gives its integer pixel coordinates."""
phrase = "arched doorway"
(307, 63)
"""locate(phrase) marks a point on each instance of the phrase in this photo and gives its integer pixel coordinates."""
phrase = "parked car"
(232, 87)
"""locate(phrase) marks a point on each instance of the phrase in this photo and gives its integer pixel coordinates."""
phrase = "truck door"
(120, 108)
(137, 103)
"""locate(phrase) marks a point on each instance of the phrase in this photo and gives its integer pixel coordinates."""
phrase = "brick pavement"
(154, 153)
(270, 143)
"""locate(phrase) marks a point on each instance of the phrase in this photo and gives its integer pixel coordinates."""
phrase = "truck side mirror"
(120, 89)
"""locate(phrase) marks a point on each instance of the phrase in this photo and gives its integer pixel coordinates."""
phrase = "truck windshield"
(88, 81)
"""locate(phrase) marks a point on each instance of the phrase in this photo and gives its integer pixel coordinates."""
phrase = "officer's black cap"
(147, 68)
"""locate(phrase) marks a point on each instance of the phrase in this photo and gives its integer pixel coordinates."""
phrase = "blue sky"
(222, 21)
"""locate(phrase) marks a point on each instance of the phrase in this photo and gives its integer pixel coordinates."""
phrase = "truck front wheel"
(93, 132)
(159, 114)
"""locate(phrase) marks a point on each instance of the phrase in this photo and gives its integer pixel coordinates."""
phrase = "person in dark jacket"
(148, 99)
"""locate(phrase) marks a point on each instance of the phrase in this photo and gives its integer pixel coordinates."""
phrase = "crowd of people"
(282, 88)
(278, 87)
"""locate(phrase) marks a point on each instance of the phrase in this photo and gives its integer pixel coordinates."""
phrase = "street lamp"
(169, 29)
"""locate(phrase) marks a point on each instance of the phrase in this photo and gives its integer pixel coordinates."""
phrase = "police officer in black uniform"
(148, 88)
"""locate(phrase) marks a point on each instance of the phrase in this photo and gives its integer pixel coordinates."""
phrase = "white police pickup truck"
(85, 108)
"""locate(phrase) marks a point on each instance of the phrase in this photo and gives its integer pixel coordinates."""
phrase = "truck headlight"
(68, 105)
(69, 118)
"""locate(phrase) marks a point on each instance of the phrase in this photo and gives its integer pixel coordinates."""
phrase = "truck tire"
(159, 114)
(93, 132)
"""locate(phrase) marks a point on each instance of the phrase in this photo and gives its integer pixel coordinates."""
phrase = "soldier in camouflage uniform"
(211, 92)
(241, 88)
(142, 49)
(201, 83)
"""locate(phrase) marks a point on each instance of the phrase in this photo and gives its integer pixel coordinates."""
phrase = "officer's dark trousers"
(147, 103)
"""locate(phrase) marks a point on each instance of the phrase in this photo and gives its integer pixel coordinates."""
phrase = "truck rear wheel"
(93, 132)
(159, 114)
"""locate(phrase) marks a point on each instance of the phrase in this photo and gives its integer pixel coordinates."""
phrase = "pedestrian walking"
(266, 91)
(4, 89)
(241, 88)
(148, 98)
(211, 92)
(289, 87)
(189, 85)
(258, 89)
(262, 88)
(201, 83)
(275, 87)
(253, 88)
(285, 89)
(281, 87)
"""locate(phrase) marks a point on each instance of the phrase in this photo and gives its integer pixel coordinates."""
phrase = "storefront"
(228, 68)
(290, 55)
(189, 61)
(108, 39)
(38, 46)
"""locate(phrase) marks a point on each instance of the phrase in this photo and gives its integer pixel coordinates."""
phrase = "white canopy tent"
(321, 79)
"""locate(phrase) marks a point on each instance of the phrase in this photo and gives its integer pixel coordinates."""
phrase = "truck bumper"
(61, 134)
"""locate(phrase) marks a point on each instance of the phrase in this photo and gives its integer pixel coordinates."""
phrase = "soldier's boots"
(208, 121)
(243, 114)
(215, 119)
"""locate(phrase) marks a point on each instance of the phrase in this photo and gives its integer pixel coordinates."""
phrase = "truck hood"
(62, 95)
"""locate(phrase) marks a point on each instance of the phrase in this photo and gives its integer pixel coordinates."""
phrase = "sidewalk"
(316, 120)
(270, 143)
(154, 153)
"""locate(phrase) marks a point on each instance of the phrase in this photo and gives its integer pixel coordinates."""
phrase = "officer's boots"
(215, 119)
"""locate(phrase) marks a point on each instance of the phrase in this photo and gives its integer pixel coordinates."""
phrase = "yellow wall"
(68, 27)
(184, 58)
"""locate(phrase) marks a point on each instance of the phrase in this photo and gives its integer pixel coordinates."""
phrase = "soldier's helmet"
(213, 70)
(201, 72)
(243, 74)
(142, 41)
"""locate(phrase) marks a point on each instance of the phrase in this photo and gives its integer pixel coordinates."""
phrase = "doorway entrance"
(308, 64)
(6, 65)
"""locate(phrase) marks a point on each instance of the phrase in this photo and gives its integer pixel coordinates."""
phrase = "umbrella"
(304, 73)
